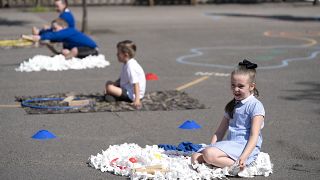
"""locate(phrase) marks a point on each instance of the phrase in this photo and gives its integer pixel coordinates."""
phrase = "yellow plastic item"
(157, 155)
(15, 43)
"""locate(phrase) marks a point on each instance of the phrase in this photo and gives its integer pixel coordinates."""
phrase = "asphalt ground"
(282, 38)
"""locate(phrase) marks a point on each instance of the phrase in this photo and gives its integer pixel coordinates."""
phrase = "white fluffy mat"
(152, 162)
(59, 63)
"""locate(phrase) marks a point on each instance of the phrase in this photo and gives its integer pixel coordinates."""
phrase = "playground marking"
(10, 105)
(197, 52)
(212, 74)
(205, 75)
(192, 83)
(312, 42)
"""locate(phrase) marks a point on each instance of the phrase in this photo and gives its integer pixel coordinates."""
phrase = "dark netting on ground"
(153, 101)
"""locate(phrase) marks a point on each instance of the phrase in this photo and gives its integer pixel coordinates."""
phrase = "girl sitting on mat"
(244, 118)
(131, 85)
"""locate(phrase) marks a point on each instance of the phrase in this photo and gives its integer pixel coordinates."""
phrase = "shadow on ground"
(275, 17)
(102, 31)
(6, 22)
(310, 93)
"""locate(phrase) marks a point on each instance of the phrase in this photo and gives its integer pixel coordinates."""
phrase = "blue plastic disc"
(189, 124)
(43, 135)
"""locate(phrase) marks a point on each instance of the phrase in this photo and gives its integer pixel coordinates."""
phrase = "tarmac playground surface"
(189, 47)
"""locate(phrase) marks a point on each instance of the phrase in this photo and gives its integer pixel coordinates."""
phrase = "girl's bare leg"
(216, 157)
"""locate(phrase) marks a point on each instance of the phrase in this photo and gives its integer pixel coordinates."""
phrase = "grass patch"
(39, 9)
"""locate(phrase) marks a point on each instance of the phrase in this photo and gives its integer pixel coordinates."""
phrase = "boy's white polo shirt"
(132, 73)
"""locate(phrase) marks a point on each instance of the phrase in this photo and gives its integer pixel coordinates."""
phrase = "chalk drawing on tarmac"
(193, 58)
(212, 74)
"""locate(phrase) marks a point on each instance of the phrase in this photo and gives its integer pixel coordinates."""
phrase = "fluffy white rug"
(123, 159)
(59, 63)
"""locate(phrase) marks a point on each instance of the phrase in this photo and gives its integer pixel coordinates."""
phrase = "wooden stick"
(151, 169)
(49, 44)
(51, 47)
(68, 99)
(79, 102)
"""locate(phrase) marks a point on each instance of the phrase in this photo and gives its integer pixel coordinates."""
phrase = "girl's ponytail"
(229, 109)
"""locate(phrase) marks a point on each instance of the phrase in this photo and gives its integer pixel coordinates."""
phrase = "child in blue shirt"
(65, 14)
(75, 43)
(243, 119)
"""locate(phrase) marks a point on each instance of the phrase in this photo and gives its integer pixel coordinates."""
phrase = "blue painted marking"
(197, 52)
(286, 62)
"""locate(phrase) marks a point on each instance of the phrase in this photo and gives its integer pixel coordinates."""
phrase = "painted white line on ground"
(212, 74)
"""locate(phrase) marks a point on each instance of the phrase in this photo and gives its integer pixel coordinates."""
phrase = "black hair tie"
(248, 64)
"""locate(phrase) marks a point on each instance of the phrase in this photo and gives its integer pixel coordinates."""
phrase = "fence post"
(84, 17)
(38, 3)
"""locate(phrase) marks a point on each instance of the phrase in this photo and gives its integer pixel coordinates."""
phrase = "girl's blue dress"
(239, 129)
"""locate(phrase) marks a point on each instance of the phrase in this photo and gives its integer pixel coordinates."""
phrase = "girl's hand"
(242, 163)
(213, 142)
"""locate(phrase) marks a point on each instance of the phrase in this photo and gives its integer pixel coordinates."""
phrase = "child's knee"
(110, 88)
(209, 156)
(74, 51)
(65, 52)
(197, 158)
(194, 157)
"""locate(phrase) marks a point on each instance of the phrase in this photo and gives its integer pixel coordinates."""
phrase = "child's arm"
(34, 38)
(254, 134)
(58, 36)
(136, 90)
(220, 132)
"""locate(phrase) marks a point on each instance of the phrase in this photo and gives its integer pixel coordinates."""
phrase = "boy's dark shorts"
(86, 51)
(124, 97)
